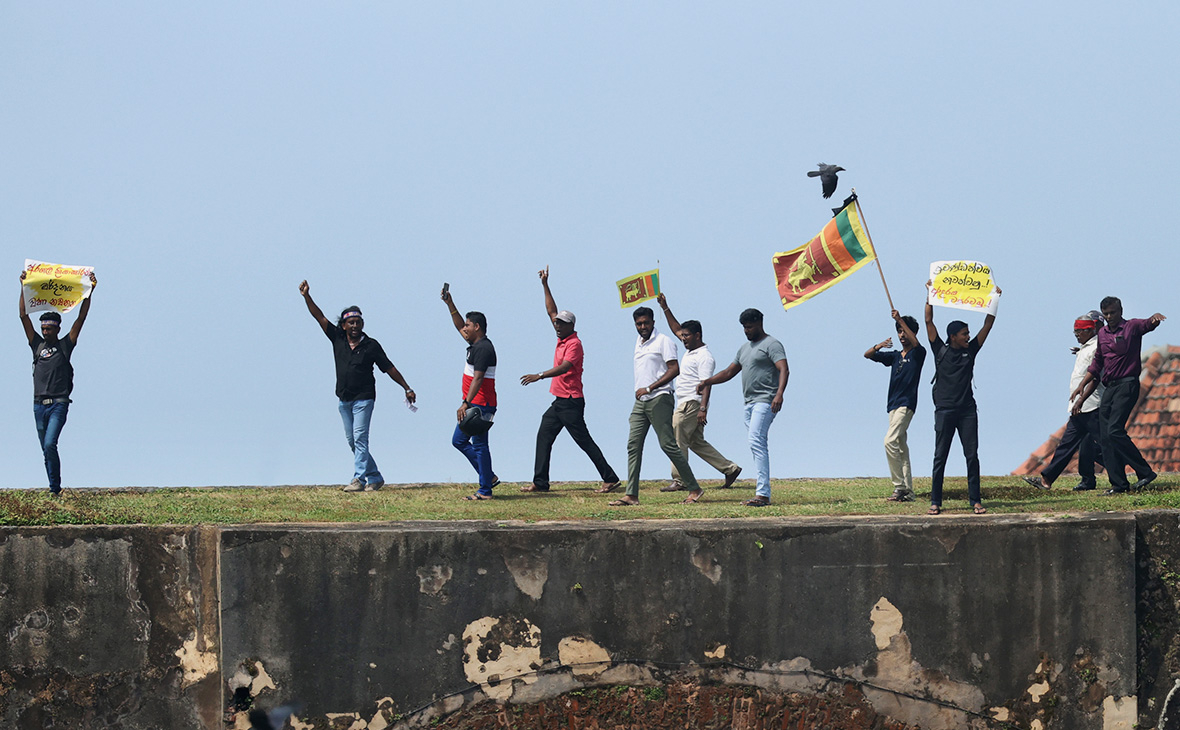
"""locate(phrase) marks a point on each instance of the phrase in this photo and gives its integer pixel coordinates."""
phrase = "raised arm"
(901, 323)
(879, 346)
(314, 308)
(550, 305)
(1154, 321)
(456, 318)
(83, 311)
(30, 332)
(673, 323)
(931, 330)
(988, 321)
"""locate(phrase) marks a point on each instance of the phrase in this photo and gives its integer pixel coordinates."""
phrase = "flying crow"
(827, 176)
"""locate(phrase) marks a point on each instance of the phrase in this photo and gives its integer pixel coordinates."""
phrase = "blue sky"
(207, 158)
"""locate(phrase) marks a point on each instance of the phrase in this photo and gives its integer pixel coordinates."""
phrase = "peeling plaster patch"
(586, 658)
(975, 661)
(431, 579)
(1000, 713)
(897, 670)
(384, 708)
(1108, 675)
(481, 571)
(262, 681)
(950, 542)
(530, 571)
(707, 564)
(357, 722)
(195, 664)
(1036, 725)
(498, 650)
(886, 623)
(447, 645)
(1119, 713)
(296, 724)
(717, 652)
(1038, 690)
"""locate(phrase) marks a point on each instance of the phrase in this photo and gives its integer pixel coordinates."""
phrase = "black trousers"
(1118, 450)
(946, 423)
(1081, 435)
(570, 414)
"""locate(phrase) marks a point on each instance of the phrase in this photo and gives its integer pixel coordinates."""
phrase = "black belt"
(50, 401)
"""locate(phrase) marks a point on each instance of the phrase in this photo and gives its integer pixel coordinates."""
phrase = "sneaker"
(374, 486)
(356, 485)
(900, 496)
(675, 486)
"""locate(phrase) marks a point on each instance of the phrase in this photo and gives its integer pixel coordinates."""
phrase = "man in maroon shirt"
(568, 409)
(1117, 365)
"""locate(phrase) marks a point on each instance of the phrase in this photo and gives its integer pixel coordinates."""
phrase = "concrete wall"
(945, 622)
(109, 627)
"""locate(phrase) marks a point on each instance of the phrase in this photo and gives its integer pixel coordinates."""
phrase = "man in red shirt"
(568, 409)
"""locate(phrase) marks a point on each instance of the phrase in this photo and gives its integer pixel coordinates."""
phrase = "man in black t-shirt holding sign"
(356, 354)
(954, 403)
(53, 378)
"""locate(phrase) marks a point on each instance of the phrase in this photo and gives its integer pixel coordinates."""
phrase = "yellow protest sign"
(54, 287)
(963, 285)
(635, 289)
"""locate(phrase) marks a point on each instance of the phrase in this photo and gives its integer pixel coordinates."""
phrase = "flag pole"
(877, 256)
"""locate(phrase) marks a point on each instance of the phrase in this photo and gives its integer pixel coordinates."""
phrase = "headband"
(1084, 324)
(351, 313)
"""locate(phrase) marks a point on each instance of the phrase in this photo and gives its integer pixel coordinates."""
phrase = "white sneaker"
(356, 485)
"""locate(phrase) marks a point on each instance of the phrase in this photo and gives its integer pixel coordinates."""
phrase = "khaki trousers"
(897, 451)
(690, 434)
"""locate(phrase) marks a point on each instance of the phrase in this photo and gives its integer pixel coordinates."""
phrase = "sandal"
(934, 510)
(477, 497)
(757, 502)
(533, 488)
(621, 503)
(1035, 482)
(979, 509)
(693, 497)
(608, 488)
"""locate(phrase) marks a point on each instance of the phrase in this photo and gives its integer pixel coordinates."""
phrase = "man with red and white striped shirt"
(479, 393)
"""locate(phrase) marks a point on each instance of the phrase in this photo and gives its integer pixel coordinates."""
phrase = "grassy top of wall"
(569, 501)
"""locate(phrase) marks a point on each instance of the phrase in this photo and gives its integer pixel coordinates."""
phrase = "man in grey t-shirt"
(762, 361)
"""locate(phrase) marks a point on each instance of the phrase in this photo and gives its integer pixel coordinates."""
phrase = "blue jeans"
(50, 420)
(759, 416)
(356, 415)
(475, 448)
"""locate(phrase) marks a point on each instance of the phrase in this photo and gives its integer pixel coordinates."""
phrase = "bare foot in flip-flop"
(693, 497)
(934, 510)
(608, 488)
(979, 508)
(477, 497)
(623, 502)
(757, 502)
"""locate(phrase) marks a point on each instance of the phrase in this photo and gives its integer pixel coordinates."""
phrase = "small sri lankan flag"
(841, 248)
(635, 289)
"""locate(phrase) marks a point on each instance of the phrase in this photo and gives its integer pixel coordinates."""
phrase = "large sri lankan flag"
(841, 248)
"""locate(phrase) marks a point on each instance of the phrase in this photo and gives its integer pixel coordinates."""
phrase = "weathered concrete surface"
(108, 627)
(1158, 618)
(1025, 620)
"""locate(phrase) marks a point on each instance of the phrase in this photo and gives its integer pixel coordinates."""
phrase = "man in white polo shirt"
(690, 416)
(655, 368)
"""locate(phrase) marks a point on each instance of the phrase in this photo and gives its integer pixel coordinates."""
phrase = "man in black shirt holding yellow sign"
(954, 403)
(53, 378)
(356, 354)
